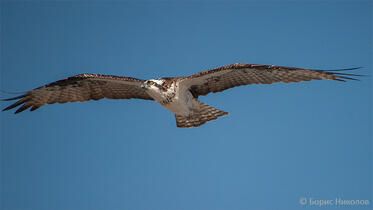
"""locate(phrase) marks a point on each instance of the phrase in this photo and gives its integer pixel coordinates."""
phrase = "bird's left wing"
(82, 87)
(225, 77)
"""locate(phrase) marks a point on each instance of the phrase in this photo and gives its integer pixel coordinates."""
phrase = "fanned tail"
(203, 114)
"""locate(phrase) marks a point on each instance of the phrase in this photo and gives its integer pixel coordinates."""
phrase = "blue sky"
(280, 143)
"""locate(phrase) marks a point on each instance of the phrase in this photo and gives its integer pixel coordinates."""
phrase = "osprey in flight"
(178, 94)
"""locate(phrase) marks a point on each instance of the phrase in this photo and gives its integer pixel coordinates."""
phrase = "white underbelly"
(179, 108)
(178, 101)
(182, 103)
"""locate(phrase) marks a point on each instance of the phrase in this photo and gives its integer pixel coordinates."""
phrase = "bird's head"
(152, 84)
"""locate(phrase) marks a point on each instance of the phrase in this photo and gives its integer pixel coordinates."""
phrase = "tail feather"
(203, 114)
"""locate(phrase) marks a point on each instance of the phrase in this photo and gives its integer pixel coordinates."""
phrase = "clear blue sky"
(280, 142)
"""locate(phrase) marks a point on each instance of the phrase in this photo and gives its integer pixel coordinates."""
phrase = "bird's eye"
(150, 83)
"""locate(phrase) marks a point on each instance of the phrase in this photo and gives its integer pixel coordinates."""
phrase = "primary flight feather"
(178, 94)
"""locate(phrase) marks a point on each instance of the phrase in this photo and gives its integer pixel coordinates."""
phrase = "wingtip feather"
(14, 98)
(346, 69)
(22, 108)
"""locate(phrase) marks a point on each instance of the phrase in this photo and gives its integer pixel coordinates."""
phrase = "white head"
(153, 85)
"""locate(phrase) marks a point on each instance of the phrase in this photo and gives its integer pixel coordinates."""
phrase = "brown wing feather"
(225, 77)
(82, 87)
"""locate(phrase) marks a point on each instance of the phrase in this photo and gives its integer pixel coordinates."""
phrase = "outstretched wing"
(225, 77)
(82, 87)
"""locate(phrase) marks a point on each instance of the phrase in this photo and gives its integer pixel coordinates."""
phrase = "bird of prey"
(177, 94)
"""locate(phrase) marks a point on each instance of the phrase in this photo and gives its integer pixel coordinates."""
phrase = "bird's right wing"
(82, 87)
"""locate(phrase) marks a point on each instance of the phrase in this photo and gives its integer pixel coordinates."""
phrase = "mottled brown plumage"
(203, 114)
(82, 87)
(229, 76)
(178, 94)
